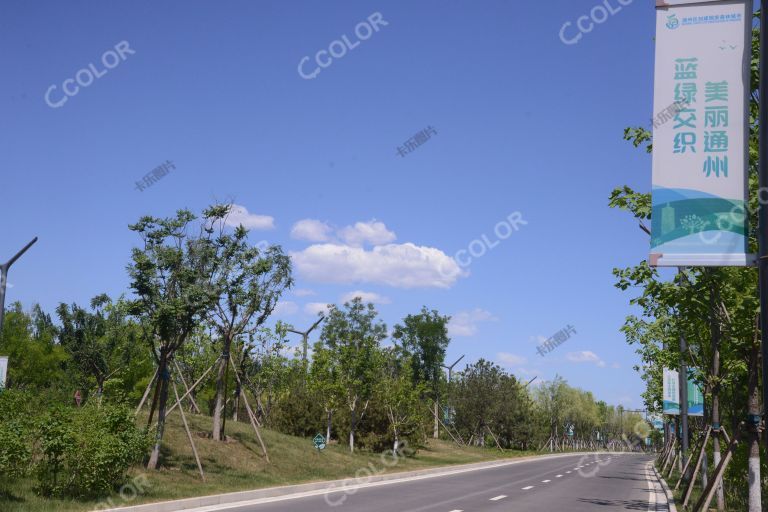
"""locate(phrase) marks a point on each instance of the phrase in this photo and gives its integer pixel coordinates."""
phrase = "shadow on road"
(626, 504)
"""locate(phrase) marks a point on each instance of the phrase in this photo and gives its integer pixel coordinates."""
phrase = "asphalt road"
(571, 484)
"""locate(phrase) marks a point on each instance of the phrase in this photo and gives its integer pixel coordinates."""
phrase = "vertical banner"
(671, 392)
(657, 422)
(695, 399)
(3, 371)
(700, 133)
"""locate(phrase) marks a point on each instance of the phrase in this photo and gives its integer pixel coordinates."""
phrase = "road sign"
(319, 441)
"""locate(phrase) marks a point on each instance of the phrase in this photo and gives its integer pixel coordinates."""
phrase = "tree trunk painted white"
(753, 440)
(328, 426)
(352, 427)
(436, 432)
(754, 473)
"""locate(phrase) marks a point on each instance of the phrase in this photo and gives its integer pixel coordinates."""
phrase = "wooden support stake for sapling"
(183, 381)
(251, 415)
(692, 483)
(186, 427)
(146, 393)
(193, 387)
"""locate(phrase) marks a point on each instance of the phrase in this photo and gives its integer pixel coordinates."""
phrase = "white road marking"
(545, 481)
(558, 476)
(567, 472)
(529, 487)
(497, 498)
(457, 510)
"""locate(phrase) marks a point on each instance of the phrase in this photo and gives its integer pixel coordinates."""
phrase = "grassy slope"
(238, 465)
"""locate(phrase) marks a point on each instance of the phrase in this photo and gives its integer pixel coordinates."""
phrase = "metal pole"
(762, 212)
(4, 278)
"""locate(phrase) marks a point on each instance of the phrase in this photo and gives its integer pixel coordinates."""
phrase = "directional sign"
(319, 441)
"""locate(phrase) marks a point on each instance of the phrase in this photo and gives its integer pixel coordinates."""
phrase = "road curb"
(667, 492)
(330, 486)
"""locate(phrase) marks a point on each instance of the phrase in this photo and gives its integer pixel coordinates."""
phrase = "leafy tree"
(170, 277)
(400, 397)
(424, 338)
(249, 282)
(100, 343)
(325, 383)
(35, 360)
(353, 335)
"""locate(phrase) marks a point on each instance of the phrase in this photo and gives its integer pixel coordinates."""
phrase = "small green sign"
(319, 441)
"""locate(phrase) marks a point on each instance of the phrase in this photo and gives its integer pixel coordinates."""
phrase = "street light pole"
(450, 373)
(450, 368)
(4, 280)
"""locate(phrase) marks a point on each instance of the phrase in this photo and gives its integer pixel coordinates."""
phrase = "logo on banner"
(672, 22)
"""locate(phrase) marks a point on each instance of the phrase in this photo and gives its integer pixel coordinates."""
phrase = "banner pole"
(762, 212)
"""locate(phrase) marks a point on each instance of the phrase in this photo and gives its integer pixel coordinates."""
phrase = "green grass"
(238, 465)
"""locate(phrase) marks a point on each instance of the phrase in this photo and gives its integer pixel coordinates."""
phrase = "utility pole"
(305, 336)
(4, 280)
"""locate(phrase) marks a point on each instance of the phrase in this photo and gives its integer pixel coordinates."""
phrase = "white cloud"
(373, 232)
(398, 265)
(303, 292)
(585, 356)
(465, 323)
(311, 230)
(286, 308)
(511, 359)
(615, 365)
(372, 297)
(240, 215)
(314, 308)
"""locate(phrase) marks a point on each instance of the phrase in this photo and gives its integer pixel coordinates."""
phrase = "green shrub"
(87, 452)
(15, 435)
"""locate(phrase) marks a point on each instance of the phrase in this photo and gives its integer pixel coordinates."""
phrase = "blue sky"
(524, 123)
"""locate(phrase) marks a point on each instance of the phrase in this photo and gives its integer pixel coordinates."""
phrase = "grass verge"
(238, 465)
